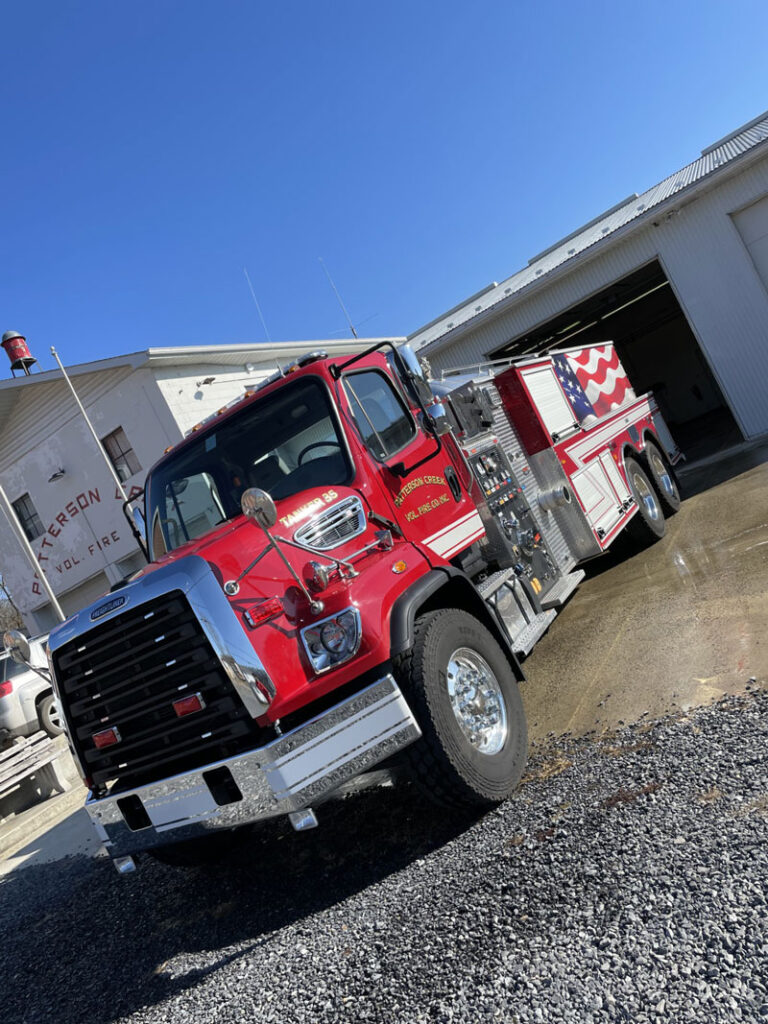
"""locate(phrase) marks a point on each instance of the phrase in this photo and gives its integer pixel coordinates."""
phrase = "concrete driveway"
(671, 627)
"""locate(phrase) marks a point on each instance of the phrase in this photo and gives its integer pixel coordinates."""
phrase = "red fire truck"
(345, 567)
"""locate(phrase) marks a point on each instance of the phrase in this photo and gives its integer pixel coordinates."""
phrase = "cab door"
(425, 485)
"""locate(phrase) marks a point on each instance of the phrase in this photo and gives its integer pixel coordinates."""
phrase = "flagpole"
(99, 445)
(27, 547)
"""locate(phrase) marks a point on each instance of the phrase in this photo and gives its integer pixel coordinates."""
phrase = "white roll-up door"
(549, 399)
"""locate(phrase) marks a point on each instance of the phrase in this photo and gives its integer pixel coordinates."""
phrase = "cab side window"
(384, 423)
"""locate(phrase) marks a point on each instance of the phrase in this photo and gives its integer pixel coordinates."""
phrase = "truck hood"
(232, 547)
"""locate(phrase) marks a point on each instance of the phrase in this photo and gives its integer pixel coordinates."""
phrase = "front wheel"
(474, 743)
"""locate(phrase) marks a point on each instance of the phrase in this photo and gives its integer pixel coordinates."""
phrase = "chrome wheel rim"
(646, 496)
(55, 717)
(663, 475)
(477, 701)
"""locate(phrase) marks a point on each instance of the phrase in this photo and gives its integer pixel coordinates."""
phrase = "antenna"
(256, 304)
(336, 293)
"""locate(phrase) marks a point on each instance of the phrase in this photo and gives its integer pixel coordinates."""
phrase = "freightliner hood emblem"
(108, 606)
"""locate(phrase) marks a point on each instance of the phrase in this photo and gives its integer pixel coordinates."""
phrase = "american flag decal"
(580, 404)
(602, 377)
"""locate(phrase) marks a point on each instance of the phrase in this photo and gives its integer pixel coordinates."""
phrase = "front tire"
(474, 743)
(648, 525)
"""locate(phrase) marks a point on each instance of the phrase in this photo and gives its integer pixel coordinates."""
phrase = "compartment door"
(550, 401)
(614, 475)
(597, 496)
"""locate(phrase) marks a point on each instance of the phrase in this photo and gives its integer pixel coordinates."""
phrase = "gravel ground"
(625, 881)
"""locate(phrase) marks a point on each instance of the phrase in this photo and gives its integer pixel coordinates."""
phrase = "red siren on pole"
(15, 346)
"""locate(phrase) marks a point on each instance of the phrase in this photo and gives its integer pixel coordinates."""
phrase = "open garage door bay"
(641, 315)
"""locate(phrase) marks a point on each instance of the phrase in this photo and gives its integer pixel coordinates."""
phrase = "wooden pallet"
(31, 755)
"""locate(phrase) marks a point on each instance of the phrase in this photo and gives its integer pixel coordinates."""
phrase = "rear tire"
(48, 716)
(465, 697)
(663, 478)
(648, 525)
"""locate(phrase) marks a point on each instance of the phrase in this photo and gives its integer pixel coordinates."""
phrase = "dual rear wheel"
(664, 480)
(654, 488)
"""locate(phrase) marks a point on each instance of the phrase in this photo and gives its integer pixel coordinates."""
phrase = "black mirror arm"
(134, 529)
(338, 369)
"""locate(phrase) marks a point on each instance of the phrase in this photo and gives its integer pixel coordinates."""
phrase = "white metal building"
(62, 493)
(677, 277)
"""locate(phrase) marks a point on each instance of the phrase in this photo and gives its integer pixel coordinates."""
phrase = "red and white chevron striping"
(602, 377)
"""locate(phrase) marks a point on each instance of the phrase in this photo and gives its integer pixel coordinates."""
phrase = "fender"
(440, 588)
(650, 435)
(638, 454)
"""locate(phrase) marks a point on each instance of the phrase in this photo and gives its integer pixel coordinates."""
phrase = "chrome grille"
(127, 672)
(334, 525)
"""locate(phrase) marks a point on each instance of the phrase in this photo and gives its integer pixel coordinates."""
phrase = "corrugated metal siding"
(709, 162)
(713, 278)
(36, 417)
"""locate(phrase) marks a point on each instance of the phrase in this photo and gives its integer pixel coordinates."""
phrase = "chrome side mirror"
(17, 646)
(259, 506)
(415, 379)
(440, 418)
(411, 361)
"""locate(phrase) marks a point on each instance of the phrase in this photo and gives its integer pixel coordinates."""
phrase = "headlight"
(333, 636)
(331, 641)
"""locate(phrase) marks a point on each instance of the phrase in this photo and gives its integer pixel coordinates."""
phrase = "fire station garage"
(676, 277)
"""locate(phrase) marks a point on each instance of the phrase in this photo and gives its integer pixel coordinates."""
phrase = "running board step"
(491, 584)
(527, 638)
(562, 590)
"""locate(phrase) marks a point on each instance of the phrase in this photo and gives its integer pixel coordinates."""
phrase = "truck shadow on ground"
(85, 944)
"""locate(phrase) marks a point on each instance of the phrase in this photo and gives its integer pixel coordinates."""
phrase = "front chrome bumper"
(292, 772)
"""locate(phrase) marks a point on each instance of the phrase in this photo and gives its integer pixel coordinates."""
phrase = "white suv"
(27, 702)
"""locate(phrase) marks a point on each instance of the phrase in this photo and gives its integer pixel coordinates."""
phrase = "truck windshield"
(284, 443)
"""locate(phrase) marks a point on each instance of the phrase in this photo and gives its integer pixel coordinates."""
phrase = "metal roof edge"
(167, 354)
(133, 359)
(732, 135)
(270, 348)
(456, 308)
(599, 246)
(584, 227)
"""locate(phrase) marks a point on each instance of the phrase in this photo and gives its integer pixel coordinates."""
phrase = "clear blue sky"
(151, 150)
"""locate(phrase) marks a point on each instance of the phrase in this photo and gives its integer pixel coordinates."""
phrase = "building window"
(121, 455)
(28, 517)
